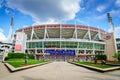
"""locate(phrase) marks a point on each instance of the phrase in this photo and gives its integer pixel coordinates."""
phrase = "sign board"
(20, 42)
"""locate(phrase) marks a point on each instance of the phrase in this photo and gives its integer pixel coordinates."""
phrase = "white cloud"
(101, 17)
(117, 31)
(49, 21)
(2, 36)
(115, 13)
(0, 3)
(47, 10)
(118, 2)
(81, 22)
(101, 8)
(9, 11)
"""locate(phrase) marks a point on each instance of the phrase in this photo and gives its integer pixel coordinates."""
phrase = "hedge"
(19, 55)
(117, 56)
(101, 57)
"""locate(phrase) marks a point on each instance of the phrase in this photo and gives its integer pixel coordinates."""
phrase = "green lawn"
(21, 62)
(98, 65)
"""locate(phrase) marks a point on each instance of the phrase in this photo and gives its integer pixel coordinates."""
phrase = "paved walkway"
(61, 71)
(3, 70)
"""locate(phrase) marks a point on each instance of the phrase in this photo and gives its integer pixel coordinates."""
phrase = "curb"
(13, 69)
(113, 64)
(96, 69)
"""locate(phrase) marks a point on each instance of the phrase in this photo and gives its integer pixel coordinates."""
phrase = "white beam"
(89, 34)
(75, 31)
(60, 34)
(45, 32)
(36, 35)
(85, 35)
(73, 34)
(99, 34)
(77, 47)
(93, 48)
(31, 34)
(95, 37)
(84, 51)
(35, 50)
(60, 31)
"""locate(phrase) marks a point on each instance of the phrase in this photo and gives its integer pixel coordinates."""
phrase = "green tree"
(19, 55)
(117, 56)
(101, 57)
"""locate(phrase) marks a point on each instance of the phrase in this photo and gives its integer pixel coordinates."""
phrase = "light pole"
(26, 59)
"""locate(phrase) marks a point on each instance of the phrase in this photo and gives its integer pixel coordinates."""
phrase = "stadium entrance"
(61, 55)
(57, 55)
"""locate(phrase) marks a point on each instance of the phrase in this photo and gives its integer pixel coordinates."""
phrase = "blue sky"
(34, 12)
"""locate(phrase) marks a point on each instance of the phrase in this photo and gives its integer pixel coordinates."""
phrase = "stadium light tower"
(110, 40)
(10, 35)
(110, 22)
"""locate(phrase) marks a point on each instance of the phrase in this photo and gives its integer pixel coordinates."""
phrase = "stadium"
(63, 39)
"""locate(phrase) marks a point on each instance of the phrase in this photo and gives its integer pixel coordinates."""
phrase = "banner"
(61, 52)
(20, 42)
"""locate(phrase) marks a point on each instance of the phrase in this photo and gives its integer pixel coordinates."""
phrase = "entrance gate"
(61, 55)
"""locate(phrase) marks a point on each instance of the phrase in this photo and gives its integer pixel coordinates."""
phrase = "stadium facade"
(62, 40)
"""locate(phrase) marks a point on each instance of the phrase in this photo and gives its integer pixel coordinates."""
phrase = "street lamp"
(26, 59)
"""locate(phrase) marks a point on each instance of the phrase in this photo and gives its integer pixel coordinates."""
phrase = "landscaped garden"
(21, 59)
(100, 61)
(21, 62)
(117, 56)
(98, 65)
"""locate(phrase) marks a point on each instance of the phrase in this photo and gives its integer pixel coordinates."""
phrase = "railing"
(118, 42)
(63, 39)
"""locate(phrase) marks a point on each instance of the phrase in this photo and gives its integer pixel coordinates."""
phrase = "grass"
(21, 62)
(98, 65)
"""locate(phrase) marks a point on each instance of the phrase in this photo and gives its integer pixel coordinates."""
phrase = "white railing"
(118, 42)
(63, 39)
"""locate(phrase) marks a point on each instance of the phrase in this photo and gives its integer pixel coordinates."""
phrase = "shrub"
(16, 55)
(30, 56)
(117, 55)
(19, 55)
(6, 58)
(101, 57)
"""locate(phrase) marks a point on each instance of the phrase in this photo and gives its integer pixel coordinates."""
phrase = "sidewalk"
(61, 71)
(3, 70)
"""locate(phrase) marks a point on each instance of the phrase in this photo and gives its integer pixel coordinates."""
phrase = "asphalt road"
(58, 71)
